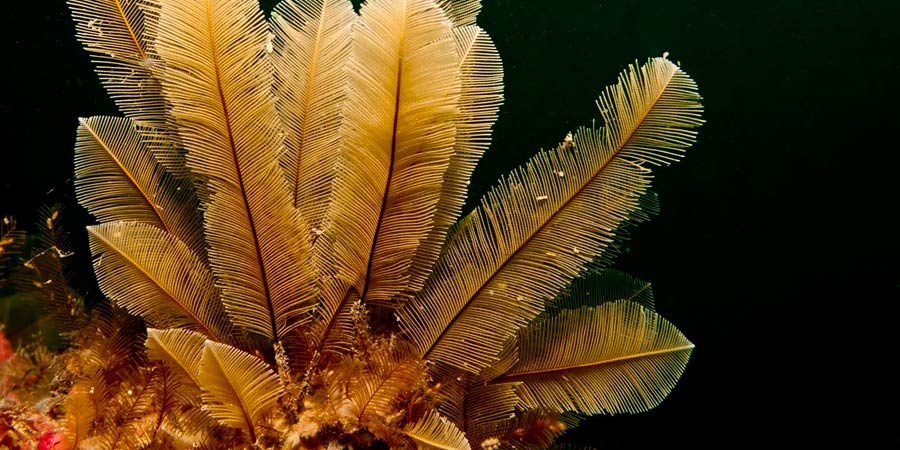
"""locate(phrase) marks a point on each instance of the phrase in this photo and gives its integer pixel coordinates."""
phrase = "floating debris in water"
(269, 38)
(568, 141)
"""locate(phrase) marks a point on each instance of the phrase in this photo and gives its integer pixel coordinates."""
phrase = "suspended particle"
(568, 142)
(491, 443)
(269, 38)
(92, 24)
(541, 198)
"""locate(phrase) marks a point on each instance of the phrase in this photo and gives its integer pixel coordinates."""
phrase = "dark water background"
(777, 248)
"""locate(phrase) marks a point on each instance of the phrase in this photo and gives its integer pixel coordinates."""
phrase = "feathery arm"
(218, 81)
(539, 228)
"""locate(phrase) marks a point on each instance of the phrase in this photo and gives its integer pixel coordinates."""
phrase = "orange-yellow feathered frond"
(614, 358)
(399, 135)
(539, 228)
(180, 350)
(369, 390)
(113, 32)
(461, 12)
(218, 81)
(310, 54)
(434, 432)
(238, 389)
(481, 76)
(479, 409)
(117, 178)
(119, 34)
(151, 273)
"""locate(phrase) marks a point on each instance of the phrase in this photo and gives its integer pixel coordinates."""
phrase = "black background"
(776, 249)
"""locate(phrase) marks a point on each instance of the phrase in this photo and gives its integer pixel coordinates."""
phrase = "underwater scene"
(448, 224)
